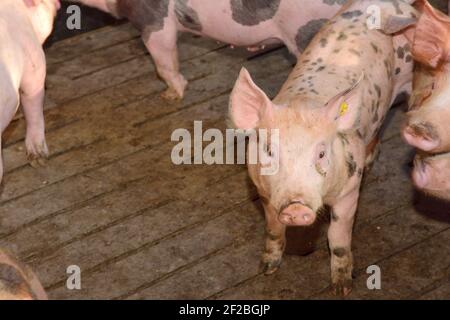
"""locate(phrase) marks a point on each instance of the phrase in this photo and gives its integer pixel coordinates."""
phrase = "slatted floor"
(111, 201)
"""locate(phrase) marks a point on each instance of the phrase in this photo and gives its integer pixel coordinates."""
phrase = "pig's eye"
(321, 152)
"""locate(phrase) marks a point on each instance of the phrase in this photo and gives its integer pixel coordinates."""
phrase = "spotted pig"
(248, 23)
(327, 115)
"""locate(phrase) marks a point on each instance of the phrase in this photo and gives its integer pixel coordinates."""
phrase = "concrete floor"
(111, 201)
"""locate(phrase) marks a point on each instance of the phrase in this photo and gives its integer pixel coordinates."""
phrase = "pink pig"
(328, 115)
(428, 126)
(25, 24)
(428, 120)
(17, 281)
(249, 23)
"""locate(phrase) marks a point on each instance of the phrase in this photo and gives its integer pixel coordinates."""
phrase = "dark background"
(90, 19)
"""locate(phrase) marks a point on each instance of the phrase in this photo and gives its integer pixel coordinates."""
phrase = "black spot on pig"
(342, 36)
(253, 12)
(374, 47)
(407, 48)
(323, 42)
(333, 2)
(334, 216)
(146, 15)
(355, 52)
(360, 172)
(307, 32)
(400, 52)
(187, 16)
(351, 165)
(378, 90)
(351, 14)
(343, 138)
(398, 70)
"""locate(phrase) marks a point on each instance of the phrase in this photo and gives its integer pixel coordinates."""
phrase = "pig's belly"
(238, 35)
(9, 97)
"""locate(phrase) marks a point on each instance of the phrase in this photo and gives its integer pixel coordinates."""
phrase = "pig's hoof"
(342, 288)
(37, 154)
(38, 162)
(270, 267)
(171, 95)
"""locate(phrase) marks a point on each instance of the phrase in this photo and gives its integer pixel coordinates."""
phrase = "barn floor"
(110, 200)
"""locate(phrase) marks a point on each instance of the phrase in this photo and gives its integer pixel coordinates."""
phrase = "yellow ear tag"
(343, 110)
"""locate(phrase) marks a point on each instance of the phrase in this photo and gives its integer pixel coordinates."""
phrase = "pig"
(18, 281)
(249, 23)
(428, 120)
(25, 24)
(327, 116)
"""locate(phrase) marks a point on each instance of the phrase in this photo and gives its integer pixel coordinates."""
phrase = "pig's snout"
(297, 214)
(422, 136)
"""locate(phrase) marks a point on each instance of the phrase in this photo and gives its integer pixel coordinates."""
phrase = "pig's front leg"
(275, 241)
(162, 46)
(32, 94)
(339, 239)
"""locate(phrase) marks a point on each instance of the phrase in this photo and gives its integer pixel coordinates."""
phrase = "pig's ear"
(344, 107)
(432, 37)
(248, 103)
(32, 3)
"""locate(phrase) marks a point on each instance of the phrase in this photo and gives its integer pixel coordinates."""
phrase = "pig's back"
(338, 56)
(241, 23)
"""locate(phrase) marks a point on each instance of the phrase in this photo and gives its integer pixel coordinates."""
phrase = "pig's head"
(432, 175)
(18, 282)
(42, 14)
(311, 154)
(427, 125)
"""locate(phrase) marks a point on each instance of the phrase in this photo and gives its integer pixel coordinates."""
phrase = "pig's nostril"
(286, 219)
